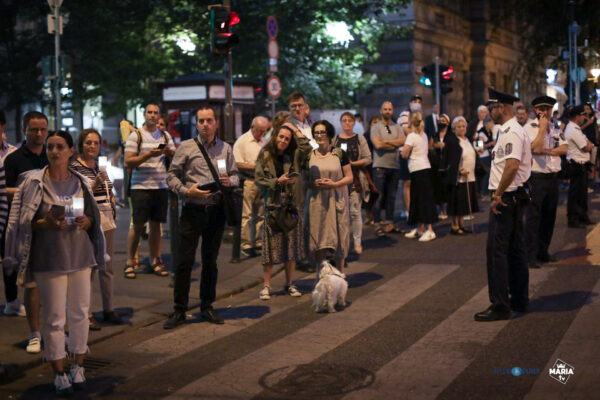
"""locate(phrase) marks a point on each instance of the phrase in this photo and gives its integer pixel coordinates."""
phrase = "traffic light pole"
(437, 81)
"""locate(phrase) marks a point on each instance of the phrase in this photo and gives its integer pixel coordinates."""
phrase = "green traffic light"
(425, 81)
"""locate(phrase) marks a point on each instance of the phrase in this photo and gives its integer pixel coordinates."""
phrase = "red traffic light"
(447, 74)
(234, 18)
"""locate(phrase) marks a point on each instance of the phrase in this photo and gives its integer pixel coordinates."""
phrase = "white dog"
(330, 289)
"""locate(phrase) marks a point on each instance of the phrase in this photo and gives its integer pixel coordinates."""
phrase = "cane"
(469, 202)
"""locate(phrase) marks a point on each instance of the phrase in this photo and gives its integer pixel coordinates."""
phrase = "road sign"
(272, 27)
(274, 87)
(272, 65)
(273, 48)
(579, 75)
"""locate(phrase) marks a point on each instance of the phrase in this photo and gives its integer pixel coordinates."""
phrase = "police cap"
(416, 97)
(544, 101)
(500, 97)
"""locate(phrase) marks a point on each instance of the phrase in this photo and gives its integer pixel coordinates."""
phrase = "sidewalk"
(142, 301)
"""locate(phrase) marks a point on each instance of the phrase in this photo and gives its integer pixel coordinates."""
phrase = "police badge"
(508, 148)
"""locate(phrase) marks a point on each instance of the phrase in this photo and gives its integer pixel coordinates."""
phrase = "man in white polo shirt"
(146, 153)
(578, 155)
(245, 152)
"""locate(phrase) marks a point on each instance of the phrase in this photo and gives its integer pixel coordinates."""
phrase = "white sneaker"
(412, 234)
(62, 385)
(77, 376)
(34, 345)
(427, 236)
(265, 293)
(293, 291)
(15, 307)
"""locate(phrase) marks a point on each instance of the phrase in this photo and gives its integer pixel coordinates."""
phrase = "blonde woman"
(422, 204)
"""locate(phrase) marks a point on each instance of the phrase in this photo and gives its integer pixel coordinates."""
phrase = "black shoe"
(112, 317)
(489, 314)
(94, 325)
(465, 230)
(251, 253)
(575, 225)
(174, 320)
(458, 231)
(210, 316)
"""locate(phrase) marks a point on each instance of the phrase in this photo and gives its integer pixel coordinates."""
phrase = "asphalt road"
(406, 333)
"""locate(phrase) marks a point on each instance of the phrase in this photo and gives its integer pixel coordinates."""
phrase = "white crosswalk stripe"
(240, 379)
(429, 365)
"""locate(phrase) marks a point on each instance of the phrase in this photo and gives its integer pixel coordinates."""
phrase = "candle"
(344, 146)
(78, 206)
(222, 166)
(102, 163)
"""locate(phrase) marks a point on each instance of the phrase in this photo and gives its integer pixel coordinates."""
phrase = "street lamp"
(55, 7)
(595, 73)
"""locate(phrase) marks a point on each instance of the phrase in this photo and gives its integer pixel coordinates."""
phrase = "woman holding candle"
(59, 257)
(88, 164)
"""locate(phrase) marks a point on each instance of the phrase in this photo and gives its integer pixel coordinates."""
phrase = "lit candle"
(344, 146)
(102, 163)
(222, 166)
(78, 206)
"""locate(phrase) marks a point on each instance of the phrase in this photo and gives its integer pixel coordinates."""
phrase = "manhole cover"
(316, 379)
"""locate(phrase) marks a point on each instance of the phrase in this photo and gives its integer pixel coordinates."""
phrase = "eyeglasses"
(294, 106)
(387, 128)
(315, 133)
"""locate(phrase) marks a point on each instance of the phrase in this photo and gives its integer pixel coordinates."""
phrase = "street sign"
(272, 27)
(273, 48)
(579, 75)
(274, 86)
(272, 65)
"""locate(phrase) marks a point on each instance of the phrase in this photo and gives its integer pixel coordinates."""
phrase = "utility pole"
(228, 120)
(57, 23)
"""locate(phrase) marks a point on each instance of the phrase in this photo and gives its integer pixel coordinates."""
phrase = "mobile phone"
(57, 211)
(162, 146)
(292, 174)
(480, 143)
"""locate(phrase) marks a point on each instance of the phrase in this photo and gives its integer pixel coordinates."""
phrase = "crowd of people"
(304, 189)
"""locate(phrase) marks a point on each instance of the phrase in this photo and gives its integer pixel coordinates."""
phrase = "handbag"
(373, 192)
(107, 213)
(282, 214)
(232, 197)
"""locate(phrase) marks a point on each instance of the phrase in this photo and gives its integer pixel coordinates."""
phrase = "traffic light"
(221, 35)
(446, 75)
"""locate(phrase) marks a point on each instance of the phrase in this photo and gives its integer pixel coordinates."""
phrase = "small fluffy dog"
(330, 289)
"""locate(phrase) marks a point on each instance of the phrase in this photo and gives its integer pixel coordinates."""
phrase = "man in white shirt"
(245, 152)
(506, 251)
(547, 145)
(578, 155)
(146, 153)
(298, 109)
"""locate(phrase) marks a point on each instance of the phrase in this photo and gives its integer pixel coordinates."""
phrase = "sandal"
(94, 325)
(159, 269)
(458, 231)
(129, 271)
(379, 232)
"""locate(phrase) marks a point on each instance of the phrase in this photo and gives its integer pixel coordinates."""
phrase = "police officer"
(506, 252)
(547, 145)
(578, 155)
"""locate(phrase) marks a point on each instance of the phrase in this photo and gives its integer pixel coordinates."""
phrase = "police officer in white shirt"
(506, 252)
(547, 145)
(578, 156)
(245, 152)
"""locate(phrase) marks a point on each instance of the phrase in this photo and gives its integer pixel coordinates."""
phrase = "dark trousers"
(577, 204)
(386, 182)
(10, 280)
(506, 256)
(541, 215)
(209, 223)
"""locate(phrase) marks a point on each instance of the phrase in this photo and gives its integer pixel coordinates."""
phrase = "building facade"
(477, 38)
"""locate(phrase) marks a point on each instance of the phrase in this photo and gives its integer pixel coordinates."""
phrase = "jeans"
(356, 223)
(386, 182)
(196, 221)
(252, 215)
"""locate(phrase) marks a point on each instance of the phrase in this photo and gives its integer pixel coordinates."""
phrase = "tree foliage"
(125, 47)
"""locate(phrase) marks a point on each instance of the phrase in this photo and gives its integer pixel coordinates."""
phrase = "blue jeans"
(386, 182)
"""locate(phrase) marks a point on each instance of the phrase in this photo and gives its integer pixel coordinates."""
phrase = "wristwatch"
(495, 196)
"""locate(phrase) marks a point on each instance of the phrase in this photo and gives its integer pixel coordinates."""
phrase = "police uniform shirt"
(513, 142)
(542, 163)
(576, 140)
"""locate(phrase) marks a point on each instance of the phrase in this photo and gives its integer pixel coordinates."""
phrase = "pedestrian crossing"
(383, 334)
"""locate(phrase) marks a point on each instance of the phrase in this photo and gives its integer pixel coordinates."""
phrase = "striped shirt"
(102, 193)
(152, 174)
(3, 202)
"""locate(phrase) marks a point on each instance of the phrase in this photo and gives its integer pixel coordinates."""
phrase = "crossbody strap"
(210, 164)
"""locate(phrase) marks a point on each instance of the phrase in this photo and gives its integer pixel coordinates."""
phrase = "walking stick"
(470, 210)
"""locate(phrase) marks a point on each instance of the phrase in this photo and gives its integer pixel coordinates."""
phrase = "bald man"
(245, 152)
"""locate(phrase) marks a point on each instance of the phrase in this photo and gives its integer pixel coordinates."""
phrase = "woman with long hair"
(275, 175)
(54, 236)
(422, 205)
(86, 163)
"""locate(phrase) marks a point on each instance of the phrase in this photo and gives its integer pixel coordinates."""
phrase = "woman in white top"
(460, 161)
(422, 204)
